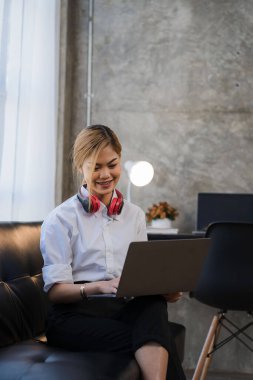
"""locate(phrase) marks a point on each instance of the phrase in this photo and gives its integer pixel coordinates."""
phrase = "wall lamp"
(140, 173)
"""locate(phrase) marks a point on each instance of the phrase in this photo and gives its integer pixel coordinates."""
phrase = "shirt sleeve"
(56, 251)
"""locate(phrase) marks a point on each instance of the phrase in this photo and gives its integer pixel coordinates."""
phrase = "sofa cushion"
(23, 302)
(30, 360)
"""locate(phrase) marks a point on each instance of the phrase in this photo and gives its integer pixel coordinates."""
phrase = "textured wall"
(174, 79)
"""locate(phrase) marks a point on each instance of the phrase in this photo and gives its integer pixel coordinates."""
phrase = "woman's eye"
(112, 166)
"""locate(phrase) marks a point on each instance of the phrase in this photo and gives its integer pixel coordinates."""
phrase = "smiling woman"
(28, 104)
(84, 242)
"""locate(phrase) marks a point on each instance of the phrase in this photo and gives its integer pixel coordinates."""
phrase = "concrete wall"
(174, 79)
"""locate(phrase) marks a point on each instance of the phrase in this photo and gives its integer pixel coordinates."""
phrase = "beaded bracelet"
(83, 292)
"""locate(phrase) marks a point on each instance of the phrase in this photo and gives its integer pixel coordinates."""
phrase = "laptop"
(161, 267)
(232, 207)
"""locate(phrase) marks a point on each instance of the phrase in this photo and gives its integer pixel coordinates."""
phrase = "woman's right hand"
(109, 286)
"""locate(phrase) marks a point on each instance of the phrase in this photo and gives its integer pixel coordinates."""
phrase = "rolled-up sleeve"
(56, 251)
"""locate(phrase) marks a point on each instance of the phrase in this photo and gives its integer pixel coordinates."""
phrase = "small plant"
(161, 210)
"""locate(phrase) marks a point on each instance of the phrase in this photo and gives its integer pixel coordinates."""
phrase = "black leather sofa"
(24, 354)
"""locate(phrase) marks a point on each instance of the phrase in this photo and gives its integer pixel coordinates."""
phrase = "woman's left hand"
(173, 297)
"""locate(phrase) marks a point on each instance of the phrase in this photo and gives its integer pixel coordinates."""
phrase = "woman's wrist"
(83, 292)
(89, 288)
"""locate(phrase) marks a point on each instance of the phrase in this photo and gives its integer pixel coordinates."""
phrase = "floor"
(222, 376)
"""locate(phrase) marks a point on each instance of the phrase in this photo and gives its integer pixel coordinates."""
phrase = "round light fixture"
(141, 173)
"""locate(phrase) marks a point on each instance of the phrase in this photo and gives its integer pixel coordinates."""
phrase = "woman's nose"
(105, 173)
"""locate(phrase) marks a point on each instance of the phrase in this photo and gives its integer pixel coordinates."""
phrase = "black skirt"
(114, 325)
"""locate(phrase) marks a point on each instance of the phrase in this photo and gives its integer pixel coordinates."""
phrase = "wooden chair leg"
(206, 348)
(209, 357)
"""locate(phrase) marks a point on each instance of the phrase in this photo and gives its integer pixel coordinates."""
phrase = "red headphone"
(93, 205)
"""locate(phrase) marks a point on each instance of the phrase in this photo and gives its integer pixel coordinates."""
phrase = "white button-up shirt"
(80, 246)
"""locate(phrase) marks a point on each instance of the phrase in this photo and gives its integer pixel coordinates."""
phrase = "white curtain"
(29, 44)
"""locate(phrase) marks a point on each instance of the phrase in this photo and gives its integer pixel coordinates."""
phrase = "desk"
(172, 233)
(158, 236)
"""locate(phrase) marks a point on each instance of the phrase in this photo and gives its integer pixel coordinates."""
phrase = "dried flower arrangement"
(161, 210)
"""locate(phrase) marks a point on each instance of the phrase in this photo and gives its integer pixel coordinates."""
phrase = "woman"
(84, 242)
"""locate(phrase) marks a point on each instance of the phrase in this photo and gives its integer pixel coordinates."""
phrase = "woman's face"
(106, 174)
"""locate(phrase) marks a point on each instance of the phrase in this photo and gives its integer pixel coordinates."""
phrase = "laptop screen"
(231, 207)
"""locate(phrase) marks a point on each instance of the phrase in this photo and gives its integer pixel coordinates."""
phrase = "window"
(29, 44)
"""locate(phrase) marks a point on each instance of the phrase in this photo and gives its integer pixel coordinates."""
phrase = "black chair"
(226, 283)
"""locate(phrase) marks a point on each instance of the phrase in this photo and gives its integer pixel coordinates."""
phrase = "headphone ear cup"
(94, 204)
(113, 206)
(116, 205)
(91, 206)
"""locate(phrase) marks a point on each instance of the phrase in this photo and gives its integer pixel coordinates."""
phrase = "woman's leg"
(135, 328)
(81, 333)
(153, 361)
(148, 317)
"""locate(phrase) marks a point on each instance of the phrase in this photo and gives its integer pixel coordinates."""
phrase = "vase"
(161, 223)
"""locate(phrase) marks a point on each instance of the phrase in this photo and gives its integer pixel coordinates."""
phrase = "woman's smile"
(105, 184)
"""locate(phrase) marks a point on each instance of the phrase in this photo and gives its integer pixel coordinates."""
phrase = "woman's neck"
(106, 199)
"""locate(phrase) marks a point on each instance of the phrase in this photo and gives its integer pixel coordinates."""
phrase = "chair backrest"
(230, 207)
(22, 300)
(226, 281)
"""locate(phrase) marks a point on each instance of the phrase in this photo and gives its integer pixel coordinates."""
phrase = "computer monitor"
(232, 207)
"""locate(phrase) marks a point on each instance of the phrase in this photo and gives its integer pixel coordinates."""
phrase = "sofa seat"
(34, 360)
(30, 360)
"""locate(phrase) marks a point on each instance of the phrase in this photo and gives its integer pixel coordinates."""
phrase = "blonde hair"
(88, 144)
